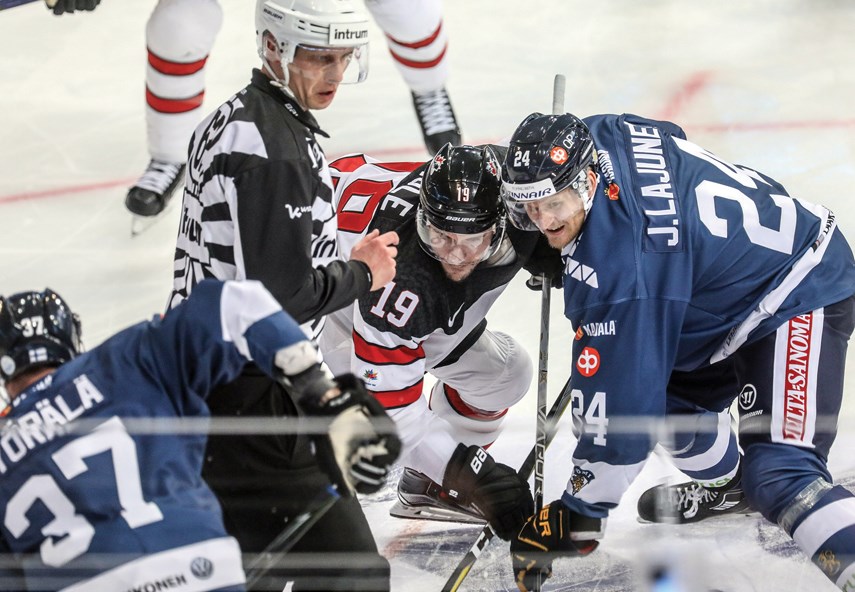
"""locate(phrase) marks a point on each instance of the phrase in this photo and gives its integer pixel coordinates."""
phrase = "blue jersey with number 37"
(684, 258)
(86, 488)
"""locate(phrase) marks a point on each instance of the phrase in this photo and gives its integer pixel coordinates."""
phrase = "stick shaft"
(546, 425)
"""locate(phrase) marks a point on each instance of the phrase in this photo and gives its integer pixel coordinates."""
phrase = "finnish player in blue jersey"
(691, 282)
(89, 504)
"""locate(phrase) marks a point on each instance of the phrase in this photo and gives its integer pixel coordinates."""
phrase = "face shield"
(533, 206)
(454, 248)
(345, 65)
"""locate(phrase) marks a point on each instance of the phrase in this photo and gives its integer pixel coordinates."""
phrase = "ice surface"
(766, 83)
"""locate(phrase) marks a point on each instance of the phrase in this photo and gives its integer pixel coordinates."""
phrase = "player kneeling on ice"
(89, 503)
(689, 281)
(455, 257)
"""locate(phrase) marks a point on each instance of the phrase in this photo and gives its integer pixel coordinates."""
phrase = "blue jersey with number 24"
(683, 259)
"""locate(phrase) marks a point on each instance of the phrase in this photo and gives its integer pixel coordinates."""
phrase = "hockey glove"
(544, 260)
(62, 6)
(555, 532)
(473, 477)
(362, 442)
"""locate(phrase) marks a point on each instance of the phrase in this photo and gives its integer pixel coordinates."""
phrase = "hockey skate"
(436, 118)
(689, 502)
(152, 192)
(423, 499)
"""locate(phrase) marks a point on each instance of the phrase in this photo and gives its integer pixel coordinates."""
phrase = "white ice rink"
(767, 83)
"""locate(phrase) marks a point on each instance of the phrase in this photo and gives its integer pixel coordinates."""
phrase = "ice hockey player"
(258, 205)
(684, 276)
(90, 499)
(455, 258)
(180, 35)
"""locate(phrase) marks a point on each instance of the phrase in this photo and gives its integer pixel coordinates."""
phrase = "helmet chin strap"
(280, 83)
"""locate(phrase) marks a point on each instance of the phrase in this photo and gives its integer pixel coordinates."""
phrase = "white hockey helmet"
(314, 24)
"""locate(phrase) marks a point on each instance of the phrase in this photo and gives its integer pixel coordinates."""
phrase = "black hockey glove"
(472, 476)
(363, 442)
(62, 6)
(555, 532)
(544, 260)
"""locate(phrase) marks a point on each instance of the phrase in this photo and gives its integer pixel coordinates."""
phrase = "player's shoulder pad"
(666, 127)
(400, 203)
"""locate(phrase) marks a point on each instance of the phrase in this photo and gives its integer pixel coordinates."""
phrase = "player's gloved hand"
(554, 532)
(62, 6)
(494, 488)
(362, 440)
(544, 260)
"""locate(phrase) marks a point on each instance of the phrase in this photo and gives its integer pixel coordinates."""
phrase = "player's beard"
(566, 233)
(458, 273)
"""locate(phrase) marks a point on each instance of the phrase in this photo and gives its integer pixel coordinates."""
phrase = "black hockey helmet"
(36, 329)
(461, 194)
(547, 153)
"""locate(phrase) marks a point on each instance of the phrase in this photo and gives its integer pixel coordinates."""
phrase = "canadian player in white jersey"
(180, 35)
(455, 257)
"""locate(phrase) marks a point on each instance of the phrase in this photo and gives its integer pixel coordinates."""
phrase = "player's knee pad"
(493, 374)
(773, 475)
(183, 30)
(466, 424)
(709, 454)
(474, 393)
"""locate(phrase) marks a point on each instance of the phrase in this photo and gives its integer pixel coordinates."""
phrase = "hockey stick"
(540, 433)
(540, 438)
(268, 559)
(546, 425)
(540, 442)
(465, 565)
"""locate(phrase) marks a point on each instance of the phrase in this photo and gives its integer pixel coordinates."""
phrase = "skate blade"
(399, 510)
(139, 224)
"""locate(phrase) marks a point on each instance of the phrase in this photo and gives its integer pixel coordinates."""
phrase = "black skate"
(153, 190)
(436, 118)
(423, 499)
(689, 502)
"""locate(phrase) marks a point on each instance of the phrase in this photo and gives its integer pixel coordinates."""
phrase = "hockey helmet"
(314, 25)
(36, 329)
(547, 154)
(460, 194)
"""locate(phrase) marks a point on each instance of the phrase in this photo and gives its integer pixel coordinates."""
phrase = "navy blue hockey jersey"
(83, 490)
(683, 259)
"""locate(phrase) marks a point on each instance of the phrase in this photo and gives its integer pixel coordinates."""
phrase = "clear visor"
(541, 214)
(344, 65)
(454, 248)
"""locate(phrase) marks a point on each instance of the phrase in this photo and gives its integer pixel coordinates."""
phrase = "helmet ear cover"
(461, 194)
(37, 329)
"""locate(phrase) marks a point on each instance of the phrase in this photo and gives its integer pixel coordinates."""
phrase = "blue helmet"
(36, 329)
(546, 154)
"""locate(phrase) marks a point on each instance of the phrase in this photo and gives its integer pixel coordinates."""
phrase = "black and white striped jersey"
(258, 205)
